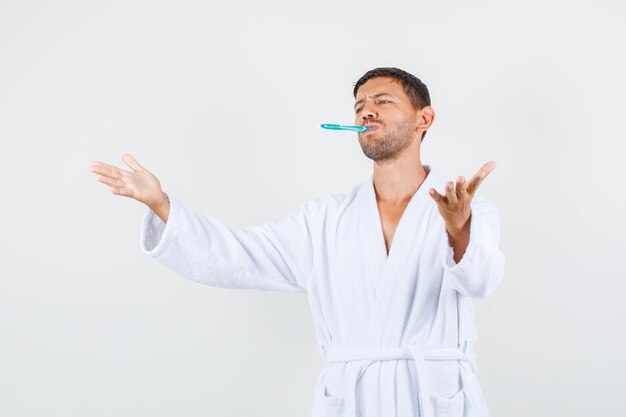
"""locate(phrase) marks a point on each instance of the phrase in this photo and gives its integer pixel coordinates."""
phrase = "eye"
(379, 101)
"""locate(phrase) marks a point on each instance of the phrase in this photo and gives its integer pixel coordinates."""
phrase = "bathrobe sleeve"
(273, 256)
(481, 268)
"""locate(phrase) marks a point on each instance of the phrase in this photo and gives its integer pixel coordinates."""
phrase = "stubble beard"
(386, 149)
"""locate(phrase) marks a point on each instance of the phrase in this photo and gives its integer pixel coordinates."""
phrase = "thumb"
(132, 162)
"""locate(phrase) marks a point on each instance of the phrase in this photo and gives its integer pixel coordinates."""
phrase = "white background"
(223, 103)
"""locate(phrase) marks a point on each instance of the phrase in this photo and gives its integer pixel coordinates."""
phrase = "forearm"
(199, 247)
(472, 260)
(459, 240)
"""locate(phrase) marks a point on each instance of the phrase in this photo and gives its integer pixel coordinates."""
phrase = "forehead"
(380, 85)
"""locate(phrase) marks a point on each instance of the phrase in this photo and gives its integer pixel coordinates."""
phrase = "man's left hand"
(454, 206)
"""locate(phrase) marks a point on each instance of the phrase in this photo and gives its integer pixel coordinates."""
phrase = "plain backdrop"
(223, 102)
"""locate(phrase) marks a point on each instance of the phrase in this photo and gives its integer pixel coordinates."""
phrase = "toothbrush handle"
(331, 126)
(343, 127)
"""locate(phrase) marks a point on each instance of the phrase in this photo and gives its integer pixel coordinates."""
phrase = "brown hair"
(414, 88)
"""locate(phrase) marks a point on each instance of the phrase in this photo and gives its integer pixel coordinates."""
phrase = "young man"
(389, 268)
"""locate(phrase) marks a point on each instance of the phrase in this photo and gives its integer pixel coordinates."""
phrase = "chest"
(390, 217)
(364, 282)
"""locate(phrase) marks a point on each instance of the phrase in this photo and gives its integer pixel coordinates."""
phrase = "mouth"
(371, 128)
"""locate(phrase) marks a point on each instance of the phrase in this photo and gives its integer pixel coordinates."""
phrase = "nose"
(367, 114)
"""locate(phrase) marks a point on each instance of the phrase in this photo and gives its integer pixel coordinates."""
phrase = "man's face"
(392, 115)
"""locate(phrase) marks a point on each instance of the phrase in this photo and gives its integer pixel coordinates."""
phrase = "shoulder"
(485, 209)
(482, 202)
(333, 202)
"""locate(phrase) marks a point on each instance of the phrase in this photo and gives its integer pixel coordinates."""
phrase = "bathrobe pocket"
(449, 406)
(327, 406)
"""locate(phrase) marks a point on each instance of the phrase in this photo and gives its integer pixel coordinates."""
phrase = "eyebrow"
(375, 95)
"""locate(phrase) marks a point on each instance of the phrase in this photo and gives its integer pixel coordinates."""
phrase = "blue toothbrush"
(342, 127)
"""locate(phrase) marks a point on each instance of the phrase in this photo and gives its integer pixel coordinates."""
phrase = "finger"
(478, 178)
(121, 191)
(439, 199)
(131, 162)
(106, 169)
(450, 192)
(109, 181)
(461, 188)
(93, 164)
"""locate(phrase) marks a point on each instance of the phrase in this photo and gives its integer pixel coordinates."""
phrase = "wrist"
(162, 208)
(459, 229)
(165, 201)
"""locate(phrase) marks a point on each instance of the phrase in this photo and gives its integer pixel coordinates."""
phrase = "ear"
(425, 118)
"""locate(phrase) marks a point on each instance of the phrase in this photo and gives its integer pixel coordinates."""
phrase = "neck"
(395, 182)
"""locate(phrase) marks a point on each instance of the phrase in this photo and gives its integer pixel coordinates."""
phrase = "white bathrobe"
(396, 331)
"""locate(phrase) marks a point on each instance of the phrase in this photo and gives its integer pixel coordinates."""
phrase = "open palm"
(139, 184)
(455, 204)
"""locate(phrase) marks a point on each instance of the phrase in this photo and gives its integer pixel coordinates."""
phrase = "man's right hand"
(140, 184)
